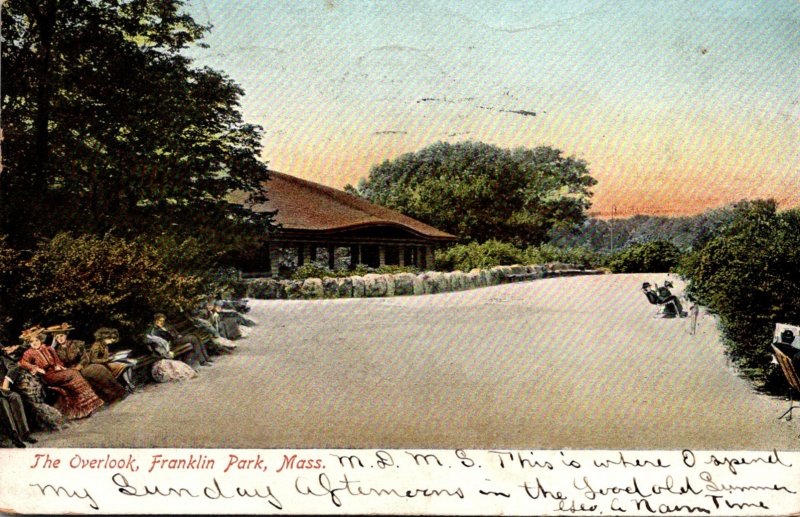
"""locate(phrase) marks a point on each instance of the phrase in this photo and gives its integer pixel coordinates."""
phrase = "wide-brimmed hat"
(59, 329)
(31, 333)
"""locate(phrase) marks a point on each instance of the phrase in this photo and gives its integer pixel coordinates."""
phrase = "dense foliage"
(465, 257)
(649, 257)
(480, 192)
(108, 126)
(321, 270)
(749, 275)
(488, 254)
(105, 281)
(113, 134)
(610, 235)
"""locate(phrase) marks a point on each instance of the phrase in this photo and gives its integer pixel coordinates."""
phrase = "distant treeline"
(609, 235)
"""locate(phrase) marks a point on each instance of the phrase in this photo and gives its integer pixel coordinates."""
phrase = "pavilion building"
(315, 221)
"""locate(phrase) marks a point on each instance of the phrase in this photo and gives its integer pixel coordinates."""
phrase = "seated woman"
(98, 355)
(198, 354)
(76, 399)
(72, 353)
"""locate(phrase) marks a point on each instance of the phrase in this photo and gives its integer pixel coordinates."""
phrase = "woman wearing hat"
(76, 399)
(98, 357)
(72, 353)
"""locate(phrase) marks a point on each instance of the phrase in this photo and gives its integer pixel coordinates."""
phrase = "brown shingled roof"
(305, 205)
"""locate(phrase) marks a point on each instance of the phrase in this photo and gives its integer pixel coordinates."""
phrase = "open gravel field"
(557, 363)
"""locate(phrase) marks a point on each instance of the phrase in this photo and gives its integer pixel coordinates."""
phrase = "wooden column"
(272, 250)
(429, 257)
(381, 255)
(300, 252)
(312, 254)
(331, 257)
(402, 256)
(355, 255)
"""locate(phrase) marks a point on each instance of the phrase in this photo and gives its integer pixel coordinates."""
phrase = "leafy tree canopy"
(108, 125)
(479, 191)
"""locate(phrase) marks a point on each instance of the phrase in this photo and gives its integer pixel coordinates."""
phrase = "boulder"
(293, 288)
(419, 285)
(474, 279)
(458, 280)
(389, 284)
(502, 272)
(345, 287)
(312, 288)
(403, 284)
(433, 282)
(374, 285)
(518, 269)
(358, 286)
(265, 289)
(330, 287)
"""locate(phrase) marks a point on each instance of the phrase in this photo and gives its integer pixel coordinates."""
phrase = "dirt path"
(557, 363)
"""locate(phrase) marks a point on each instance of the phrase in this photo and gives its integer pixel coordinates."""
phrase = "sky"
(676, 106)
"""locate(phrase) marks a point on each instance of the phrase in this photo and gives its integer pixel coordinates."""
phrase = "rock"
(518, 269)
(419, 286)
(358, 286)
(474, 279)
(374, 285)
(294, 289)
(312, 288)
(458, 280)
(502, 272)
(345, 287)
(265, 289)
(389, 284)
(330, 287)
(403, 284)
(432, 282)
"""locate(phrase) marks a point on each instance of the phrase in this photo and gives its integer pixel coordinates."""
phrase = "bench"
(141, 363)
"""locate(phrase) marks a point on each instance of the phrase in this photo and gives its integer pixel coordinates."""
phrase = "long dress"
(73, 354)
(75, 396)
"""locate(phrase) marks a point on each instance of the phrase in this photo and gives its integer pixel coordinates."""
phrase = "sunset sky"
(677, 106)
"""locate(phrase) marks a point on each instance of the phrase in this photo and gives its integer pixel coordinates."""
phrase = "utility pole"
(613, 216)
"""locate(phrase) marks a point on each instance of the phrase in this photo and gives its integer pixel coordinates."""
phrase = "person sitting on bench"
(662, 297)
(665, 297)
(197, 355)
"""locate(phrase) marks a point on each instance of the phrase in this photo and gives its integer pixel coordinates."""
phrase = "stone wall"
(401, 284)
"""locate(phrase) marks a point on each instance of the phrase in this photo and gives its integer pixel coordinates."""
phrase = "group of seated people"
(49, 379)
(670, 305)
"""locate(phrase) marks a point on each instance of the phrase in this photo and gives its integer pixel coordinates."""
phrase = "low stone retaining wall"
(401, 284)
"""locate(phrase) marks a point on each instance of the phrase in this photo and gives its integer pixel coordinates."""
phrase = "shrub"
(320, 270)
(749, 275)
(578, 255)
(91, 282)
(649, 257)
(465, 257)
(9, 265)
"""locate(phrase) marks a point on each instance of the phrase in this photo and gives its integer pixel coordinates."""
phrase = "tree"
(480, 192)
(109, 126)
(748, 275)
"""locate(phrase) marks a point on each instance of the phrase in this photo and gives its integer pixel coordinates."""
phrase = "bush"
(650, 257)
(465, 257)
(749, 275)
(9, 265)
(578, 255)
(91, 282)
(320, 270)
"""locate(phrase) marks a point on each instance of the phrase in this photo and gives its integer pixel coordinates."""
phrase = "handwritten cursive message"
(441, 482)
